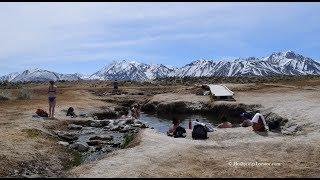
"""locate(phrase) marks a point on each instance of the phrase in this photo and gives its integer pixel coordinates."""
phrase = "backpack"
(199, 132)
(179, 132)
(70, 112)
(42, 113)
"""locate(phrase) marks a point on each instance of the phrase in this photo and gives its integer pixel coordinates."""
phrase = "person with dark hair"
(173, 127)
(115, 85)
(125, 114)
(245, 120)
(135, 111)
(225, 123)
(52, 94)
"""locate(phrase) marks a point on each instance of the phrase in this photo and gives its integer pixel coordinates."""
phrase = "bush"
(24, 94)
(5, 95)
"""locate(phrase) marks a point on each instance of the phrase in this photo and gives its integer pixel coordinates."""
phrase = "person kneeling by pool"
(258, 122)
(176, 130)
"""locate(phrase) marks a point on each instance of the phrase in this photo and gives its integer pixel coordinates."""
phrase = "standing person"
(115, 85)
(52, 94)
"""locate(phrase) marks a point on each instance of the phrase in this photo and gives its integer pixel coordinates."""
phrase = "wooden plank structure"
(219, 92)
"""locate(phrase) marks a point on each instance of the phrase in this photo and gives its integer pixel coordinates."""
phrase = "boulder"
(115, 128)
(63, 143)
(149, 107)
(121, 108)
(125, 129)
(102, 138)
(96, 123)
(107, 114)
(74, 127)
(291, 129)
(81, 147)
(95, 142)
(106, 149)
(68, 136)
(105, 122)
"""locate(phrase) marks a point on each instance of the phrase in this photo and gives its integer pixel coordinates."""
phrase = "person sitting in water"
(225, 123)
(125, 114)
(135, 111)
(245, 121)
(258, 122)
(173, 127)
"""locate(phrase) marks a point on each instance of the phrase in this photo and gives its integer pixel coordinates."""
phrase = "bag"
(70, 112)
(275, 125)
(42, 113)
(199, 132)
(179, 132)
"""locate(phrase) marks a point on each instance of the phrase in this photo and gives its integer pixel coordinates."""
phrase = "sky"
(84, 37)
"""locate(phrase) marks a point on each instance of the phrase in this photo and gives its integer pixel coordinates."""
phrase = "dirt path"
(227, 152)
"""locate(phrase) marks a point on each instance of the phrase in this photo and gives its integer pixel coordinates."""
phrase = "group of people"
(135, 112)
(257, 122)
(52, 99)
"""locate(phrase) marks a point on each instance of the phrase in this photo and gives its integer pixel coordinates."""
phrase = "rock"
(74, 127)
(105, 122)
(291, 129)
(143, 126)
(149, 107)
(136, 121)
(102, 138)
(95, 142)
(68, 136)
(107, 114)
(96, 123)
(125, 129)
(272, 118)
(115, 128)
(63, 143)
(121, 108)
(81, 147)
(98, 148)
(106, 149)
(129, 121)
(114, 144)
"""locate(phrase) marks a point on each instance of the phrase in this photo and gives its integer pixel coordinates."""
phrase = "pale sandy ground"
(292, 156)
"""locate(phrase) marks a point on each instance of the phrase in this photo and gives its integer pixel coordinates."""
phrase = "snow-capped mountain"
(38, 75)
(131, 70)
(278, 63)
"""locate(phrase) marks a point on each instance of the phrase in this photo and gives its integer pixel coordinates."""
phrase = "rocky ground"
(26, 141)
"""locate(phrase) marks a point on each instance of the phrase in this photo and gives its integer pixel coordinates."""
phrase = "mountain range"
(278, 63)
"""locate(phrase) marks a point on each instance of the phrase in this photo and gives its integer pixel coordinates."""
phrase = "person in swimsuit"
(52, 92)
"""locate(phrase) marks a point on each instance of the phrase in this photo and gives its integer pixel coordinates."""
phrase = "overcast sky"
(83, 37)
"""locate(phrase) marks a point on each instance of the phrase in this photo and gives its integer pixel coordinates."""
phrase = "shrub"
(24, 94)
(5, 95)
(127, 138)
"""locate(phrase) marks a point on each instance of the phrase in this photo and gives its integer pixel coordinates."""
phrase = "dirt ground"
(227, 152)
(235, 152)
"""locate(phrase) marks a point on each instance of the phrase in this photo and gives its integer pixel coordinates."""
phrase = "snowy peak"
(131, 70)
(38, 75)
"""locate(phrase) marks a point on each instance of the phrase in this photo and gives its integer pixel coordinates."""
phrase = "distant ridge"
(278, 63)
